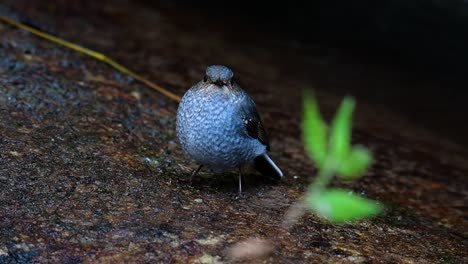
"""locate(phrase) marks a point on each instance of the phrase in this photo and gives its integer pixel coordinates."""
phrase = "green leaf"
(340, 206)
(340, 133)
(357, 162)
(314, 130)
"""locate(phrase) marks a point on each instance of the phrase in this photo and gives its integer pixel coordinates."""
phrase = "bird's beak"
(219, 83)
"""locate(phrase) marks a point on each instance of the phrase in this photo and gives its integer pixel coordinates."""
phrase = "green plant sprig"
(331, 150)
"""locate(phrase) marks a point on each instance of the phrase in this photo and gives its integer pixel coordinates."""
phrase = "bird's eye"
(205, 79)
(231, 82)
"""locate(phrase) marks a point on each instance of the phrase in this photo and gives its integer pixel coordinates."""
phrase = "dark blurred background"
(422, 42)
(421, 36)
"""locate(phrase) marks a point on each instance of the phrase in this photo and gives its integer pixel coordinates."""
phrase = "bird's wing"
(252, 122)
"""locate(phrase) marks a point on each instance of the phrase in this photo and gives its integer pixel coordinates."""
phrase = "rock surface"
(90, 169)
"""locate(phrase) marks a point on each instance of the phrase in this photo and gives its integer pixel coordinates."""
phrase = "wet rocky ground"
(91, 172)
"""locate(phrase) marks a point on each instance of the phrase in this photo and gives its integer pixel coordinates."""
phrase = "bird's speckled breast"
(211, 131)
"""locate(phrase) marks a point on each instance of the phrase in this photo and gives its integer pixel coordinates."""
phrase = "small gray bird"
(219, 127)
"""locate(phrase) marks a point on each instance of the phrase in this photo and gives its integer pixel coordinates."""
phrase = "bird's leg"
(195, 172)
(240, 181)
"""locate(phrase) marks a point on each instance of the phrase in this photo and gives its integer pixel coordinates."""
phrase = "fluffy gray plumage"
(218, 125)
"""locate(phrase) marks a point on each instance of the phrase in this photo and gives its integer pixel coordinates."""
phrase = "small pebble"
(15, 153)
(136, 95)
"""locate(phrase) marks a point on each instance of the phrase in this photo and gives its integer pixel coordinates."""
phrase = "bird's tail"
(267, 167)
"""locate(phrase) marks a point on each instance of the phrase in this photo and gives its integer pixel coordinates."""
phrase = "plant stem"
(323, 178)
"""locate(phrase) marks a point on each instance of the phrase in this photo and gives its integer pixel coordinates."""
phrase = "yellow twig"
(94, 54)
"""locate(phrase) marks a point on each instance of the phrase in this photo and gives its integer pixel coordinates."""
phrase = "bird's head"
(219, 75)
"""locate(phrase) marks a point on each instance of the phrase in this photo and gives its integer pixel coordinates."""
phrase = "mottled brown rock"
(90, 171)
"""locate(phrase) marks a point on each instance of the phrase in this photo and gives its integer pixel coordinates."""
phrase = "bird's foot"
(192, 175)
(237, 196)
